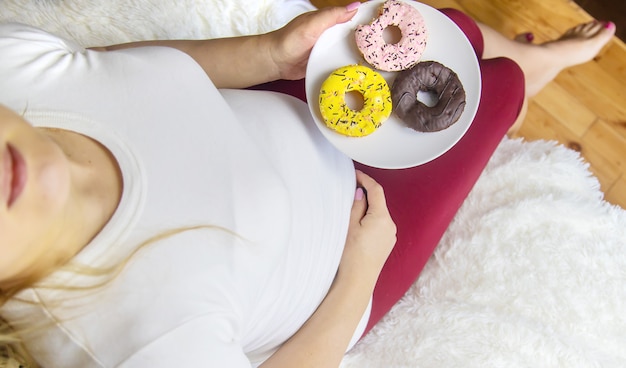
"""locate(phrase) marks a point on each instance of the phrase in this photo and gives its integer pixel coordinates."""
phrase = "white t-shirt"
(247, 161)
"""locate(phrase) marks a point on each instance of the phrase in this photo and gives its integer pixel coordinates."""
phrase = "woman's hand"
(291, 45)
(372, 232)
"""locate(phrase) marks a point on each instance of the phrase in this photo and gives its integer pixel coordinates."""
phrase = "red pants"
(423, 200)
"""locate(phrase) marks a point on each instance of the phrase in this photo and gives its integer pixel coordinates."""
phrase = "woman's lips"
(6, 175)
(16, 175)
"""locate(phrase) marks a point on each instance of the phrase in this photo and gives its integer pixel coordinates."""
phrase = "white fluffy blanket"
(106, 22)
(531, 273)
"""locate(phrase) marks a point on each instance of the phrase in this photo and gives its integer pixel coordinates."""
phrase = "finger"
(376, 201)
(331, 16)
(319, 21)
(359, 206)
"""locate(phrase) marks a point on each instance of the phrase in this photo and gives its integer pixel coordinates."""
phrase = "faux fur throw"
(106, 22)
(531, 273)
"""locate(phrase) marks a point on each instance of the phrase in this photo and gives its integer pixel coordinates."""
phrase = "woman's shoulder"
(28, 53)
(23, 35)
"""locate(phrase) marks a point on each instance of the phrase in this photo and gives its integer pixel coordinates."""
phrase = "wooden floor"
(584, 108)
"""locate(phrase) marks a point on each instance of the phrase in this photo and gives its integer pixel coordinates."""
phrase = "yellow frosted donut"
(376, 100)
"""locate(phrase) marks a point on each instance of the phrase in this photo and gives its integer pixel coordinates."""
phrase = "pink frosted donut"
(399, 56)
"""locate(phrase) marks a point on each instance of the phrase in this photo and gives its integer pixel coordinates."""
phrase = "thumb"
(359, 206)
(321, 20)
(338, 14)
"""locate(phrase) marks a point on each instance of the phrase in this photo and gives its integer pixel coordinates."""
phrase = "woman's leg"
(542, 62)
(423, 200)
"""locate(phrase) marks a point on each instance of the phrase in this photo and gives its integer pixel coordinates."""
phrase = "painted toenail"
(530, 37)
(609, 25)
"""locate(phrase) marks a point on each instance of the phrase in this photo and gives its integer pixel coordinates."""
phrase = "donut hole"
(355, 100)
(392, 35)
(428, 98)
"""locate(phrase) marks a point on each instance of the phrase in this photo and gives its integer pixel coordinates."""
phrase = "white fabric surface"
(530, 274)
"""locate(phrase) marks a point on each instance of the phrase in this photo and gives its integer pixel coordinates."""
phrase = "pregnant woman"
(154, 214)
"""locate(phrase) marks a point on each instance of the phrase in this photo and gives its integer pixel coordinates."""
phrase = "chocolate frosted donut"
(431, 77)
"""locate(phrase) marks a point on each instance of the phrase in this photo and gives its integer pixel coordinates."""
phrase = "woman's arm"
(324, 338)
(239, 62)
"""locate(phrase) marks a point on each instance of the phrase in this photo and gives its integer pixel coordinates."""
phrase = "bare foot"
(583, 42)
(578, 45)
(542, 62)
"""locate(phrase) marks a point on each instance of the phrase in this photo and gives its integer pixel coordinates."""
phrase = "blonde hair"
(13, 353)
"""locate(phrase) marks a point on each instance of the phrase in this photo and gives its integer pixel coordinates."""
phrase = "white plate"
(394, 146)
